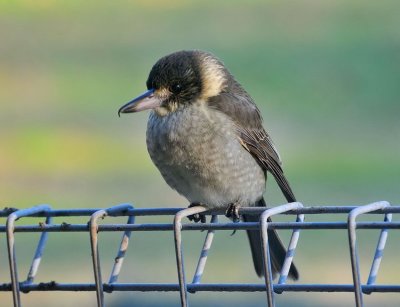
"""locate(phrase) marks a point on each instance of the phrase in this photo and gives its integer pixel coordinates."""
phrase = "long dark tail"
(277, 250)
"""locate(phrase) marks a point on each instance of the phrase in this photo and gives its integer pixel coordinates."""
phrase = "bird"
(205, 135)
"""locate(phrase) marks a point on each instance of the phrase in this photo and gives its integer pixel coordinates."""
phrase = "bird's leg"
(233, 212)
(198, 217)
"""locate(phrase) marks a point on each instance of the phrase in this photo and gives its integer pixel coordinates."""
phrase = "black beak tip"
(121, 110)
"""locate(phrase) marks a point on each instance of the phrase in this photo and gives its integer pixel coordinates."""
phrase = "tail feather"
(277, 249)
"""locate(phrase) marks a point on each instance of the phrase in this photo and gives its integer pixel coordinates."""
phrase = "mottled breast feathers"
(252, 135)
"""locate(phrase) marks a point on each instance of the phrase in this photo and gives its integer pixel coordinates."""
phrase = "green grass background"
(326, 75)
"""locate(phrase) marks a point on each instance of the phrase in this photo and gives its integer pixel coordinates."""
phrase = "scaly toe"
(198, 217)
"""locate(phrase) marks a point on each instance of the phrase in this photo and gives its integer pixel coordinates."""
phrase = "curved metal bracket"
(265, 247)
(93, 224)
(10, 226)
(351, 224)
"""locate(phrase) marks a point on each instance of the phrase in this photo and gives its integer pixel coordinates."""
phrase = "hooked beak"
(143, 102)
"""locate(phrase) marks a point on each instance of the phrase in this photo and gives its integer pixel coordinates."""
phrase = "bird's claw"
(197, 217)
(233, 212)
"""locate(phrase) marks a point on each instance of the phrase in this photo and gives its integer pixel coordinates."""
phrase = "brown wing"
(243, 111)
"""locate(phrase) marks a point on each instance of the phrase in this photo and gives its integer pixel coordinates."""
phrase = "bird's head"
(179, 79)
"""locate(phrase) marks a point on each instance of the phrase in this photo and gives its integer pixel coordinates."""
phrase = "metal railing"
(177, 226)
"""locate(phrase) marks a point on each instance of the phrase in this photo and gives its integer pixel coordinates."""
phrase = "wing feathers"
(251, 134)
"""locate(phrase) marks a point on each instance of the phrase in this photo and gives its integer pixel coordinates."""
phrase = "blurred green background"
(326, 75)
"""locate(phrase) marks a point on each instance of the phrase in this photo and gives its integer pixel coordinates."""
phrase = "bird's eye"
(176, 88)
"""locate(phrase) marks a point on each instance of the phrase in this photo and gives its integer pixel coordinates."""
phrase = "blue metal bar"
(89, 211)
(379, 252)
(217, 287)
(119, 260)
(204, 253)
(206, 226)
(38, 254)
(290, 252)
(172, 211)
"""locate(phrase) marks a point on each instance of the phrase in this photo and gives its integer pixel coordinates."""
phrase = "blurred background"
(325, 74)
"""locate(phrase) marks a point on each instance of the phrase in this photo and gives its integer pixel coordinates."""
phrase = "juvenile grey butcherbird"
(205, 135)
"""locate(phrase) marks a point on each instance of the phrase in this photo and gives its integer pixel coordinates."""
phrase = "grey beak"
(143, 102)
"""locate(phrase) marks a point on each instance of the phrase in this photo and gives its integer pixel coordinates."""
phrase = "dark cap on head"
(180, 78)
(179, 73)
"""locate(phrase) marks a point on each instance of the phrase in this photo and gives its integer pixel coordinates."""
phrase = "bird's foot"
(198, 217)
(233, 212)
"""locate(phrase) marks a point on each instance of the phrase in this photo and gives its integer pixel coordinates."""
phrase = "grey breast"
(198, 154)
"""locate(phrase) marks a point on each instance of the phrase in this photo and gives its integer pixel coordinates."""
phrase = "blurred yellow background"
(326, 75)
